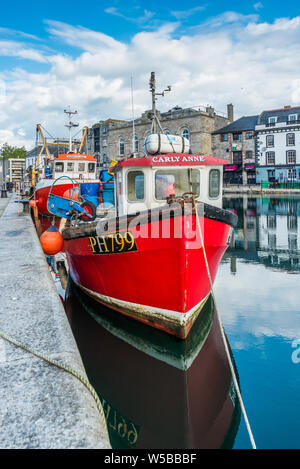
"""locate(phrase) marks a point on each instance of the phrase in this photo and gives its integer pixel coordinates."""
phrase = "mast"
(152, 84)
(70, 125)
(133, 124)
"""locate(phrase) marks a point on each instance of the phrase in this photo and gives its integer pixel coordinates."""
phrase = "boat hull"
(159, 280)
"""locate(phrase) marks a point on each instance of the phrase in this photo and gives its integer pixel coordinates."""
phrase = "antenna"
(152, 84)
(70, 124)
(133, 124)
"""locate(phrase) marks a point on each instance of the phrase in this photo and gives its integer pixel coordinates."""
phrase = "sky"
(61, 53)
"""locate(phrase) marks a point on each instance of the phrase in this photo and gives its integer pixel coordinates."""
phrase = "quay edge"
(41, 406)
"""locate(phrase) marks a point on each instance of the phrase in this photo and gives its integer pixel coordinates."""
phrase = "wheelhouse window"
(291, 156)
(290, 139)
(135, 186)
(176, 182)
(59, 167)
(81, 167)
(270, 157)
(91, 167)
(270, 140)
(121, 146)
(214, 183)
(70, 166)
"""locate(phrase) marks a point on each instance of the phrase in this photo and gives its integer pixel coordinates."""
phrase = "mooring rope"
(223, 333)
(63, 367)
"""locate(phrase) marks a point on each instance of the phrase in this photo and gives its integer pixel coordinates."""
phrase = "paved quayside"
(41, 406)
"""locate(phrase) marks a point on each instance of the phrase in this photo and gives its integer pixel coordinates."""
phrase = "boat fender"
(51, 241)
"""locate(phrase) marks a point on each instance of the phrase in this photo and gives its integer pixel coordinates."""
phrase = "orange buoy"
(68, 194)
(51, 241)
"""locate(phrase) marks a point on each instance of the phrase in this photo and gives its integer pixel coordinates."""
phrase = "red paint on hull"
(41, 195)
(163, 281)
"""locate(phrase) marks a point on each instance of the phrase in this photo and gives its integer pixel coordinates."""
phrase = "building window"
(104, 130)
(291, 174)
(249, 155)
(292, 241)
(121, 146)
(272, 240)
(292, 117)
(292, 222)
(186, 134)
(272, 120)
(249, 135)
(291, 156)
(135, 186)
(136, 144)
(237, 137)
(270, 140)
(290, 139)
(237, 157)
(271, 221)
(224, 137)
(270, 157)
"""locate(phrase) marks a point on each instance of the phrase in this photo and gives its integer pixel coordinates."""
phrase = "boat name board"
(178, 159)
(113, 243)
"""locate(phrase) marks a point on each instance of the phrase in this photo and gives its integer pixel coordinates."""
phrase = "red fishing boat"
(148, 259)
(78, 166)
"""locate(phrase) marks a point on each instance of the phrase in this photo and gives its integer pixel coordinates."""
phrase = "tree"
(8, 151)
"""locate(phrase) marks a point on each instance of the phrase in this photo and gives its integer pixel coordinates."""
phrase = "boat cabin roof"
(171, 159)
(75, 156)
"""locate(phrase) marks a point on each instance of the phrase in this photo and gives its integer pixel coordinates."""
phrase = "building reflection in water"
(268, 232)
(157, 391)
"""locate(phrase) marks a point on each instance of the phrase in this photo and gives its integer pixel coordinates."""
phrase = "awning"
(230, 168)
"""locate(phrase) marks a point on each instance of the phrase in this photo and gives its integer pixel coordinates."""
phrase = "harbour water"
(257, 290)
(160, 392)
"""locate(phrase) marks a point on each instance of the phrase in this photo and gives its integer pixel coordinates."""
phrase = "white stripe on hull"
(149, 312)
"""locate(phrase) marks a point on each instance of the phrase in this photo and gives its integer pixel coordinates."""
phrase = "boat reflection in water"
(157, 391)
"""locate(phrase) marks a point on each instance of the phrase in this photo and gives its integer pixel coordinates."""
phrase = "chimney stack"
(230, 112)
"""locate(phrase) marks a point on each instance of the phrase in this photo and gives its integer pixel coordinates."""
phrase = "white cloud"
(257, 6)
(147, 15)
(229, 58)
(21, 50)
(183, 14)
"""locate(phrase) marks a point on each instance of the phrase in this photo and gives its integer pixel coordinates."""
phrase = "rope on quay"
(63, 367)
(223, 333)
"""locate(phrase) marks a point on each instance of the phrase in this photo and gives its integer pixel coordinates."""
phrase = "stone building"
(236, 143)
(114, 138)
